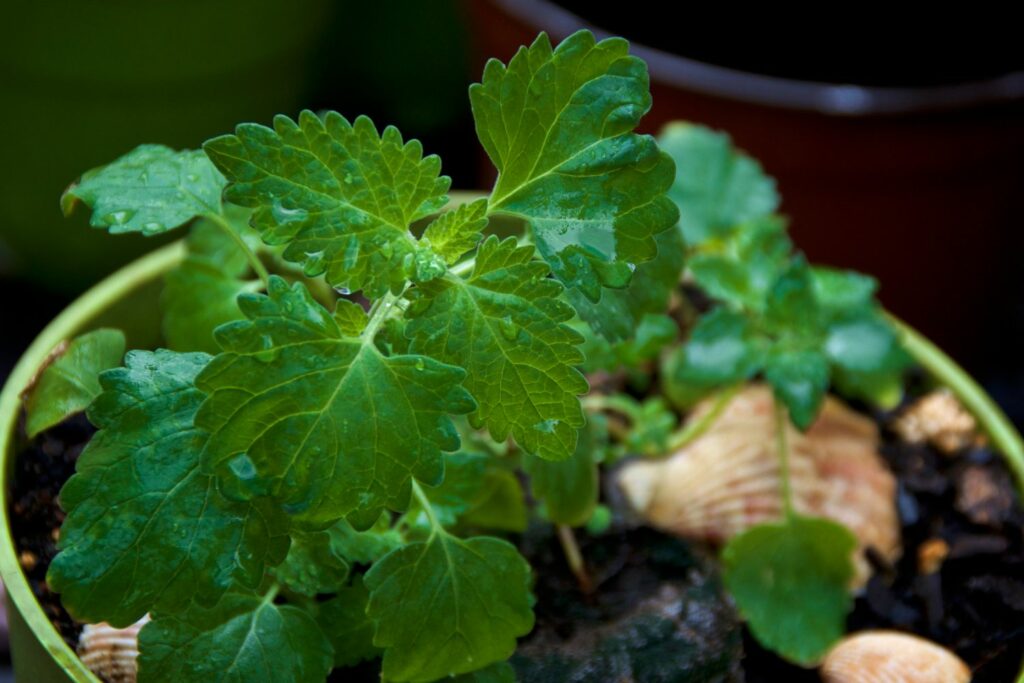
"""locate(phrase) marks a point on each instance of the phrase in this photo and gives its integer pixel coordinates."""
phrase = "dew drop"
(547, 426)
(153, 226)
(243, 467)
(508, 328)
(420, 365)
(283, 215)
(119, 217)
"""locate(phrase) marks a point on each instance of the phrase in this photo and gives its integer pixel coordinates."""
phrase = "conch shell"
(891, 657)
(110, 652)
(727, 480)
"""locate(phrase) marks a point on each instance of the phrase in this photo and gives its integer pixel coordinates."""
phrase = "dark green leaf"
(313, 565)
(799, 379)
(499, 505)
(716, 187)
(343, 620)
(323, 421)
(557, 124)
(70, 383)
(502, 672)
(791, 582)
(722, 349)
(240, 640)
(365, 547)
(505, 326)
(792, 309)
(569, 489)
(463, 477)
(448, 606)
(151, 190)
(146, 530)
(339, 195)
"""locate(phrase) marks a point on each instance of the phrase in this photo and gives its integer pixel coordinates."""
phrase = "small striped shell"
(110, 652)
(891, 657)
(727, 480)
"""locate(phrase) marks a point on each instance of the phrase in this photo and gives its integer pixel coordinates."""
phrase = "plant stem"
(379, 312)
(574, 557)
(944, 369)
(696, 428)
(254, 260)
(620, 404)
(269, 596)
(782, 448)
(424, 502)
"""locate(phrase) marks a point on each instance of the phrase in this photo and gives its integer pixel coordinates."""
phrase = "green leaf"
(842, 290)
(716, 187)
(351, 317)
(557, 125)
(799, 379)
(569, 489)
(448, 606)
(505, 326)
(454, 233)
(502, 672)
(791, 582)
(151, 190)
(313, 565)
(322, 421)
(722, 349)
(463, 476)
(70, 383)
(792, 308)
(499, 505)
(365, 547)
(339, 195)
(200, 294)
(343, 620)
(241, 639)
(863, 343)
(146, 530)
(620, 312)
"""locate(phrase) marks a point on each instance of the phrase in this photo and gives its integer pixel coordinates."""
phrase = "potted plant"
(358, 403)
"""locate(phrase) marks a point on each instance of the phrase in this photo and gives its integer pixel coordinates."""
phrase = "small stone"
(27, 560)
(983, 499)
(940, 420)
(931, 554)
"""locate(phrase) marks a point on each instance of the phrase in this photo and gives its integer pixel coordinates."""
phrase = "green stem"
(254, 260)
(428, 509)
(269, 596)
(696, 428)
(782, 447)
(944, 369)
(380, 311)
(574, 557)
(620, 404)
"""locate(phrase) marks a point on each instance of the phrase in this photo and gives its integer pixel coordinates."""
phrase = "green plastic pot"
(128, 299)
(84, 81)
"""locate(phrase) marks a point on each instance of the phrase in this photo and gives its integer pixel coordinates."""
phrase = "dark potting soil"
(959, 582)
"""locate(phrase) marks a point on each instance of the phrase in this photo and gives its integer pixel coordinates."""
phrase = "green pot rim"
(77, 317)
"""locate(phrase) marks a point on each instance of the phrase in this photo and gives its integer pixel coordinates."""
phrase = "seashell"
(110, 652)
(727, 480)
(891, 657)
(940, 420)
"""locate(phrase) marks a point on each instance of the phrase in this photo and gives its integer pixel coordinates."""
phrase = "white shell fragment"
(891, 657)
(110, 652)
(727, 480)
(938, 419)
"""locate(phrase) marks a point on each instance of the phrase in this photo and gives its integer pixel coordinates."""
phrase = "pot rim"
(77, 317)
(70, 322)
(834, 99)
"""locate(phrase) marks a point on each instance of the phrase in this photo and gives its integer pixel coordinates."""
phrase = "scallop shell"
(727, 480)
(891, 657)
(110, 652)
(940, 420)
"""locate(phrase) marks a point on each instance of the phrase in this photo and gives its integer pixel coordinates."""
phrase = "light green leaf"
(343, 620)
(448, 606)
(365, 547)
(146, 530)
(454, 233)
(505, 325)
(842, 290)
(722, 349)
(500, 505)
(351, 317)
(201, 293)
(791, 582)
(313, 565)
(322, 421)
(339, 195)
(70, 383)
(716, 187)
(569, 489)
(151, 190)
(557, 125)
(239, 640)
(799, 379)
(863, 343)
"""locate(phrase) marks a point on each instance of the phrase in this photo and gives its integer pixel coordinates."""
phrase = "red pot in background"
(919, 187)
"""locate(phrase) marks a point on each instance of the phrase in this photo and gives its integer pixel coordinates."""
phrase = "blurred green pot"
(84, 81)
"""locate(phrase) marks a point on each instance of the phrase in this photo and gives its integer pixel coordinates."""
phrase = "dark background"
(924, 198)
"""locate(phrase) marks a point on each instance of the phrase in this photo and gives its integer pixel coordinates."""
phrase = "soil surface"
(959, 582)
